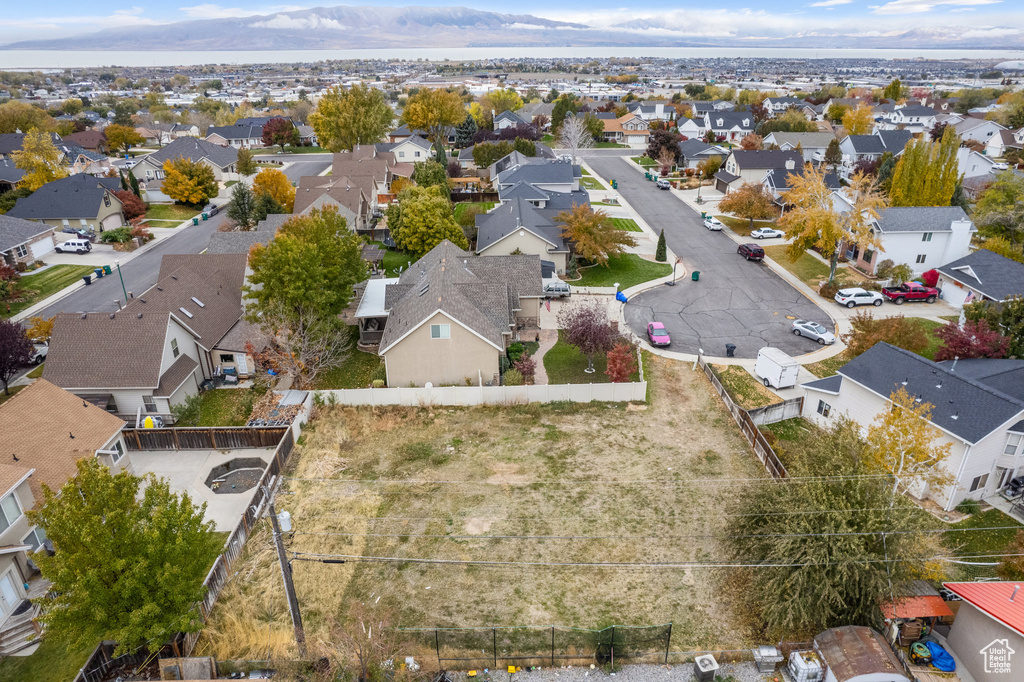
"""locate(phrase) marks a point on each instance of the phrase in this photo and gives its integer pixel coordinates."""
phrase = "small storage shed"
(858, 654)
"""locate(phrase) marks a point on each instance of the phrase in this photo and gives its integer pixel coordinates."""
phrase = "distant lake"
(50, 59)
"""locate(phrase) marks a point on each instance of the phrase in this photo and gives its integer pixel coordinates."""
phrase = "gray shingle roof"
(727, 120)
(830, 384)
(919, 218)
(194, 149)
(966, 407)
(236, 132)
(9, 172)
(515, 214)
(17, 231)
(11, 142)
(480, 292)
(511, 116)
(747, 159)
(997, 277)
(76, 196)
(692, 148)
(541, 171)
(805, 140)
(242, 242)
(916, 110)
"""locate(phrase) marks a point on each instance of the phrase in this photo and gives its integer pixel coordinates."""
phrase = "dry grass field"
(454, 484)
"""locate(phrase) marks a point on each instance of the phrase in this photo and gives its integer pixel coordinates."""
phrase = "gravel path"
(683, 672)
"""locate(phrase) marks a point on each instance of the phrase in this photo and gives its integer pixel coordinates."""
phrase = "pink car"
(657, 334)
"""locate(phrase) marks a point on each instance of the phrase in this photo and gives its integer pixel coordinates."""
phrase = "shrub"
(20, 267)
(514, 377)
(526, 366)
(828, 290)
(378, 383)
(140, 231)
(971, 507)
(900, 274)
(898, 331)
(380, 374)
(884, 269)
(516, 351)
(121, 235)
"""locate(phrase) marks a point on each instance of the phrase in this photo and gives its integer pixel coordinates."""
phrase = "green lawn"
(741, 226)
(229, 183)
(356, 372)
(930, 327)
(627, 224)
(393, 260)
(46, 283)
(298, 150)
(548, 139)
(54, 661)
(609, 145)
(223, 407)
(590, 182)
(628, 270)
(972, 543)
(177, 212)
(644, 161)
(162, 223)
(565, 365)
(789, 429)
(745, 390)
(461, 208)
(829, 366)
(807, 268)
(267, 164)
(36, 373)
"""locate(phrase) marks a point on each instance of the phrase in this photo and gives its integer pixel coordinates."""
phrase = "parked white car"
(713, 223)
(767, 233)
(813, 330)
(855, 296)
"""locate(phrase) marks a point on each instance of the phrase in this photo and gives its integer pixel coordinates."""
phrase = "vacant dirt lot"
(638, 483)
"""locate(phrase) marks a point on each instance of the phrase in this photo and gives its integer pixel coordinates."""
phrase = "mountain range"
(346, 27)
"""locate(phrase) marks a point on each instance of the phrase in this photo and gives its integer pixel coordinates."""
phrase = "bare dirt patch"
(557, 484)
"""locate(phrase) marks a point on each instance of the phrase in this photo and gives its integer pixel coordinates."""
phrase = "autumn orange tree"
(751, 201)
(40, 328)
(903, 443)
(859, 121)
(593, 235)
(189, 182)
(814, 222)
(276, 184)
(621, 362)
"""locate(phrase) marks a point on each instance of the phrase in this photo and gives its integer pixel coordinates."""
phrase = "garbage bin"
(615, 184)
(87, 279)
(195, 221)
(99, 272)
(106, 269)
(730, 350)
(695, 276)
(205, 216)
(703, 215)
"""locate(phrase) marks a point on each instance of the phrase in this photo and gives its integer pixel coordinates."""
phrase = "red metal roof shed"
(1003, 601)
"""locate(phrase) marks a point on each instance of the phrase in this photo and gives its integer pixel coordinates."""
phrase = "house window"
(401, 155)
(112, 405)
(868, 255)
(1012, 443)
(227, 357)
(35, 539)
(174, 347)
(416, 154)
(150, 404)
(84, 223)
(10, 511)
(979, 483)
(117, 452)
(21, 251)
(926, 237)
(440, 331)
(824, 409)
(106, 199)
(920, 258)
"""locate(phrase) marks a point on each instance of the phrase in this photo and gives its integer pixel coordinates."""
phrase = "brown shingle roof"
(175, 375)
(37, 424)
(344, 190)
(10, 474)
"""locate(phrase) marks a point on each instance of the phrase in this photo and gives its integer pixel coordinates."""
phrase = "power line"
(344, 558)
(654, 537)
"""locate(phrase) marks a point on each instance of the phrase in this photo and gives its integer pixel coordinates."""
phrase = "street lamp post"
(117, 264)
(700, 181)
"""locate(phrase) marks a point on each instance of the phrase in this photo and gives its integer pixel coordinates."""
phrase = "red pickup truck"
(910, 291)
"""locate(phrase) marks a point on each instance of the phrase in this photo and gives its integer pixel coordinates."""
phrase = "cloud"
(830, 3)
(310, 22)
(117, 19)
(919, 6)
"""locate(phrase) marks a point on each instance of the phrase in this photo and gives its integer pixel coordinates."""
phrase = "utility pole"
(286, 574)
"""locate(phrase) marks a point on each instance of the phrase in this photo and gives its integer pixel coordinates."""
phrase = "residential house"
(364, 167)
(977, 409)
(90, 140)
(465, 159)
(451, 316)
(532, 110)
(509, 119)
(913, 117)
(987, 636)
(743, 166)
(237, 136)
(10, 175)
(345, 194)
(629, 129)
(525, 222)
(184, 130)
(78, 201)
(778, 181)
(12, 142)
(653, 110)
(811, 145)
(690, 128)
(222, 160)
(547, 175)
(157, 134)
(46, 431)
(973, 165)
(24, 241)
(729, 126)
(857, 148)
(79, 160)
(692, 152)
(998, 145)
(403, 131)
(155, 353)
(242, 242)
(778, 105)
(980, 276)
(977, 129)
(923, 237)
(411, 149)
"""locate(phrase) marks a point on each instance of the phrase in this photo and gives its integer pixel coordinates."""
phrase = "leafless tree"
(202, 120)
(304, 350)
(574, 136)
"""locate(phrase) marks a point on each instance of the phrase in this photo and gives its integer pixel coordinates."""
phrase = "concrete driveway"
(299, 165)
(735, 301)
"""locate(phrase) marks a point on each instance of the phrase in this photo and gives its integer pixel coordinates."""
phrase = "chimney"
(1015, 588)
(955, 358)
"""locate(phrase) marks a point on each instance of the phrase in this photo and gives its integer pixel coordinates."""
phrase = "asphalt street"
(735, 301)
(301, 165)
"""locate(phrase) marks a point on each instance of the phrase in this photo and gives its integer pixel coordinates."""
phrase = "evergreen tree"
(893, 91)
(885, 171)
(439, 154)
(243, 204)
(120, 175)
(833, 155)
(661, 254)
(266, 205)
(134, 182)
(464, 133)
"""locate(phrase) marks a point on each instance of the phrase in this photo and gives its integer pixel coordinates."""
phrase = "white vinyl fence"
(487, 395)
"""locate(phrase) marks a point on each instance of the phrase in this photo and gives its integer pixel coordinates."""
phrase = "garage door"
(41, 248)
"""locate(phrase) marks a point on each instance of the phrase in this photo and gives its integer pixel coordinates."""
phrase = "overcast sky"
(980, 19)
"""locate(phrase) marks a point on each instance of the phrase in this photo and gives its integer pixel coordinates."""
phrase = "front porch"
(20, 634)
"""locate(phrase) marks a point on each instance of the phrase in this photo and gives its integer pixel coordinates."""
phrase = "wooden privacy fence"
(100, 661)
(204, 438)
(762, 450)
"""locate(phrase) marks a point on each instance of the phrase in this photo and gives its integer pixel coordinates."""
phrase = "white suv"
(857, 296)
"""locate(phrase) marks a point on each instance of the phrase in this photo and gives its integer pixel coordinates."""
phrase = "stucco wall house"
(82, 201)
(988, 633)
